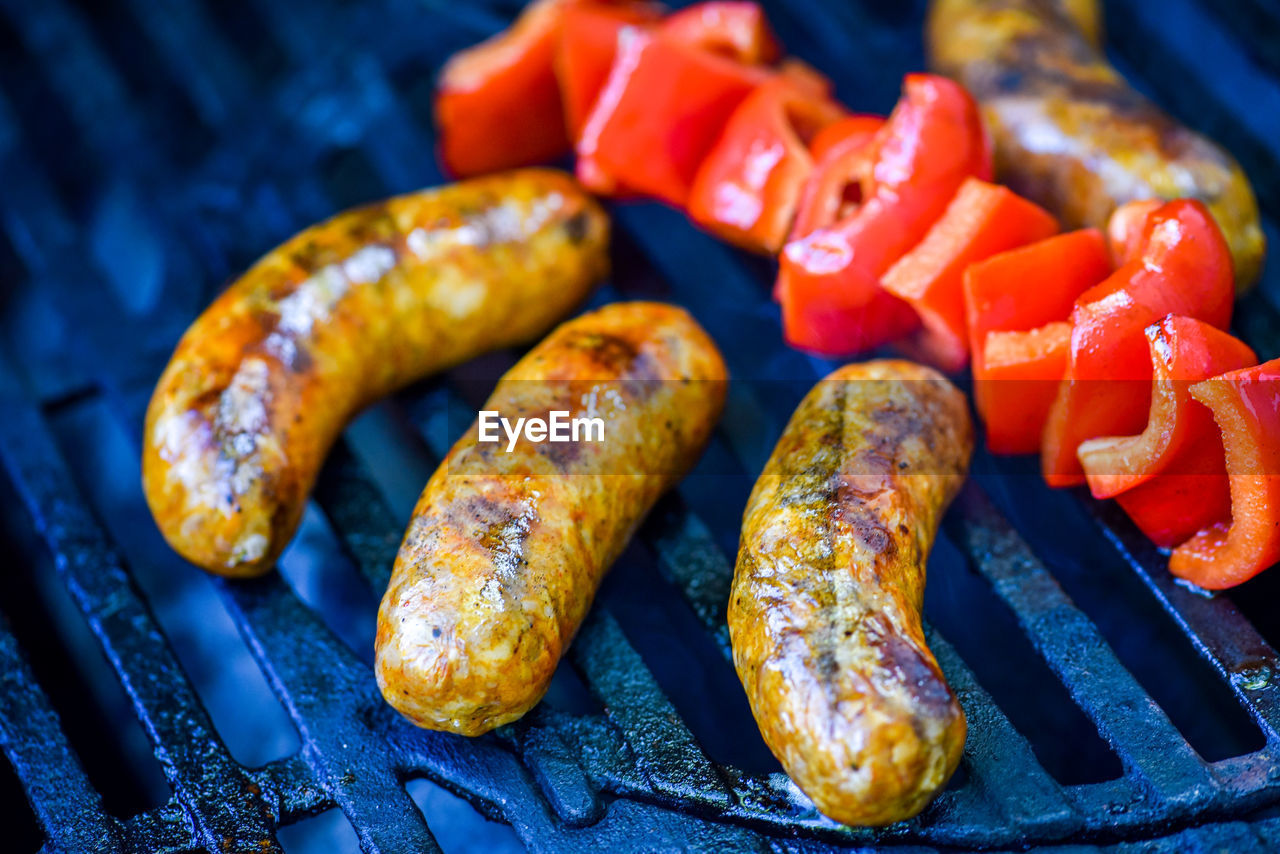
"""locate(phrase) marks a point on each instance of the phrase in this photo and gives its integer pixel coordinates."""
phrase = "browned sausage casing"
(825, 610)
(506, 549)
(1070, 133)
(343, 313)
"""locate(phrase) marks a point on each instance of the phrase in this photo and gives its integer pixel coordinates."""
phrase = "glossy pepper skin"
(982, 220)
(834, 188)
(1017, 383)
(1246, 407)
(505, 82)
(1183, 350)
(850, 134)
(586, 45)
(1016, 307)
(748, 187)
(1184, 268)
(829, 278)
(1171, 478)
(733, 29)
(1126, 227)
(659, 114)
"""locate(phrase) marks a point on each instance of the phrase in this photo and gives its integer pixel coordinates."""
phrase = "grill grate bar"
(996, 753)
(200, 59)
(1136, 728)
(693, 562)
(61, 796)
(665, 750)
(220, 799)
(165, 830)
(330, 706)
(292, 786)
(1214, 625)
(82, 76)
(355, 508)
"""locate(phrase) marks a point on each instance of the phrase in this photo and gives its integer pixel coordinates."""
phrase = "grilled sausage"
(1070, 133)
(506, 548)
(824, 613)
(344, 312)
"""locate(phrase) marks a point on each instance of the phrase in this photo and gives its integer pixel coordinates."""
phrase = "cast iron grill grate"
(149, 150)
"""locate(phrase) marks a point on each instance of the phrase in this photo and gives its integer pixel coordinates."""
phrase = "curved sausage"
(1070, 133)
(825, 609)
(345, 312)
(506, 548)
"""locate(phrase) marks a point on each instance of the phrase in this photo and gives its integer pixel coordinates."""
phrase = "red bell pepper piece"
(829, 278)
(1027, 287)
(1126, 226)
(1184, 268)
(980, 221)
(834, 189)
(586, 46)
(1015, 291)
(852, 133)
(1020, 375)
(737, 30)
(1195, 494)
(1183, 350)
(749, 185)
(505, 82)
(659, 114)
(1246, 406)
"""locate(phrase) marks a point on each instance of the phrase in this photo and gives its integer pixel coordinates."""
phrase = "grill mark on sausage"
(502, 531)
(576, 227)
(830, 636)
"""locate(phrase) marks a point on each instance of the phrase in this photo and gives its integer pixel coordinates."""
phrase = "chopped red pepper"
(1246, 406)
(736, 30)
(1020, 375)
(1019, 291)
(1183, 350)
(505, 82)
(1026, 287)
(585, 49)
(659, 114)
(1183, 268)
(749, 185)
(834, 189)
(851, 133)
(829, 278)
(1126, 227)
(980, 221)
(1172, 507)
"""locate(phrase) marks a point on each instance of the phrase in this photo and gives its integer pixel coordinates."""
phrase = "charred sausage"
(824, 612)
(263, 382)
(1070, 133)
(506, 548)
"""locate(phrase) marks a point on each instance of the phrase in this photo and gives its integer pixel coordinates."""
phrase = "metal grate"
(150, 150)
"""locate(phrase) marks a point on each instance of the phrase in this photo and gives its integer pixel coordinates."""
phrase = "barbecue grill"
(149, 151)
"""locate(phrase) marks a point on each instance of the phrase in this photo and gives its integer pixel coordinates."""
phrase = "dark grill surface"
(149, 151)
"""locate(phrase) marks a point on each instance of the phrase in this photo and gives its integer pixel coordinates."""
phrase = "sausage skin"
(345, 312)
(825, 608)
(1070, 133)
(506, 548)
